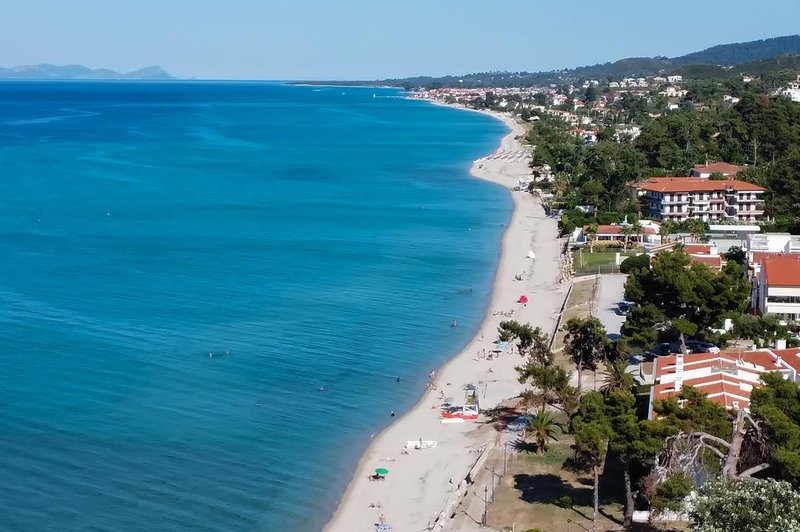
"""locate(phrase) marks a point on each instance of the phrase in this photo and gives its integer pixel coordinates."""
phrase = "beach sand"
(421, 484)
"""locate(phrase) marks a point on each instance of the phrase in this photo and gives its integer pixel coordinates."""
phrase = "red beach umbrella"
(523, 299)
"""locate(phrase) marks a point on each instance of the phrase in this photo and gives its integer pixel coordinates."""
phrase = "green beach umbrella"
(381, 471)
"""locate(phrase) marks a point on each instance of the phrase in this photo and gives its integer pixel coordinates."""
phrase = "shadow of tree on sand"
(501, 416)
(547, 488)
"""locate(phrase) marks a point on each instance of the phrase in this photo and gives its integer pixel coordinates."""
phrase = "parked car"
(692, 346)
(624, 307)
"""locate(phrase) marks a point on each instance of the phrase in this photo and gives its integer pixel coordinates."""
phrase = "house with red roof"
(762, 245)
(778, 288)
(726, 169)
(615, 233)
(681, 198)
(727, 378)
(707, 254)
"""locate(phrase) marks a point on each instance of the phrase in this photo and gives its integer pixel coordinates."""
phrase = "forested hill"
(761, 52)
(743, 52)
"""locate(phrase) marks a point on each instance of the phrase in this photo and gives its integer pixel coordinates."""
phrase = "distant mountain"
(742, 52)
(759, 54)
(55, 72)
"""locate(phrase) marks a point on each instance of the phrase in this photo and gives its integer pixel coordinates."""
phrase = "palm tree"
(626, 231)
(591, 233)
(542, 429)
(667, 228)
(615, 377)
(697, 228)
(638, 230)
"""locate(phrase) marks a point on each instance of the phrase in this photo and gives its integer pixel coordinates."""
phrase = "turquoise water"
(308, 237)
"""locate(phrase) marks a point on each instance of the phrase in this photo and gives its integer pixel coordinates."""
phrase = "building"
(727, 378)
(792, 91)
(763, 245)
(707, 254)
(778, 289)
(614, 233)
(726, 169)
(681, 198)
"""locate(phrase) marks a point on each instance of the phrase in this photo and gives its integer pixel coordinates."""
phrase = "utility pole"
(755, 151)
(485, 505)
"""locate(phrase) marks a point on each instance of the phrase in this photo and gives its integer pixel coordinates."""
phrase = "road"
(610, 291)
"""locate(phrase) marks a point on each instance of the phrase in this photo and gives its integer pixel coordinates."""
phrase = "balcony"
(674, 201)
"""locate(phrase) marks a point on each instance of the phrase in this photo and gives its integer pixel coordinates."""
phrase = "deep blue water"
(319, 236)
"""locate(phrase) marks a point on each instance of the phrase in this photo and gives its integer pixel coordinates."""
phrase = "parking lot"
(610, 291)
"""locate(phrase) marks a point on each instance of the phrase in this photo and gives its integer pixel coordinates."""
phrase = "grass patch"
(578, 306)
(585, 259)
(528, 495)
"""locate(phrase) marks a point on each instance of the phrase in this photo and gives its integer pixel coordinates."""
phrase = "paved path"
(610, 292)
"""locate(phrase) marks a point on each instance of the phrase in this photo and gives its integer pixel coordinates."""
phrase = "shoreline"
(422, 484)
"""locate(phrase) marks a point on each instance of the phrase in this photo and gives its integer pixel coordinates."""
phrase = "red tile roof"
(757, 256)
(617, 229)
(723, 382)
(782, 270)
(712, 261)
(724, 168)
(695, 184)
(698, 249)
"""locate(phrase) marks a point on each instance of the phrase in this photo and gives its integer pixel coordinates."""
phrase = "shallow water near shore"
(309, 237)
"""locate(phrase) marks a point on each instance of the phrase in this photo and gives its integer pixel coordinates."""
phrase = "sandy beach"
(424, 487)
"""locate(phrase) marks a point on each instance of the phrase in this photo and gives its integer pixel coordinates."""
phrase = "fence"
(597, 269)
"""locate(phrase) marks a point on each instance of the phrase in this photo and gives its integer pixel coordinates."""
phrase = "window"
(783, 299)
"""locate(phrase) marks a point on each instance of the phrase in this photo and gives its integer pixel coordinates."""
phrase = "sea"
(213, 294)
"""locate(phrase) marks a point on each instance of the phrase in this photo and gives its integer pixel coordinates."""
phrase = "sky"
(376, 39)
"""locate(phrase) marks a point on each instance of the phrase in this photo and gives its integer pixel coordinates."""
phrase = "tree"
(592, 430)
(591, 233)
(763, 330)
(634, 444)
(550, 386)
(736, 254)
(615, 376)
(530, 341)
(717, 176)
(638, 231)
(777, 406)
(585, 343)
(666, 229)
(696, 228)
(733, 505)
(636, 262)
(543, 428)
(670, 494)
(627, 231)
(677, 296)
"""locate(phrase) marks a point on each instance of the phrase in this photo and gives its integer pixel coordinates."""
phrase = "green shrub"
(637, 262)
(565, 501)
(670, 493)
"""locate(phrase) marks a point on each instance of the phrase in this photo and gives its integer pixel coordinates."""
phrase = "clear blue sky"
(360, 39)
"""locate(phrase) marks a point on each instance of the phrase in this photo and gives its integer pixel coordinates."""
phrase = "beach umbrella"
(381, 471)
(523, 298)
